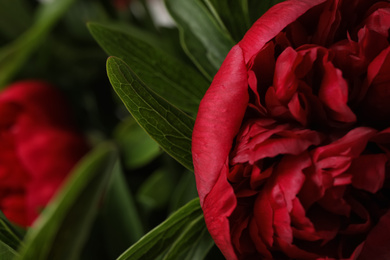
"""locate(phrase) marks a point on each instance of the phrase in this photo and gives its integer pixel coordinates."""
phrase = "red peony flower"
(39, 147)
(291, 144)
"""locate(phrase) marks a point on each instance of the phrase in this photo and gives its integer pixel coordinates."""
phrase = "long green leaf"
(190, 241)
(201, 248)
(7, 252)
(185, 190)
(119, 218)
(202, 36)
(178, 83)
(62, 228)
(234, 15)
(160, 238)
(8, 233)
(13, 56)
(171, 128)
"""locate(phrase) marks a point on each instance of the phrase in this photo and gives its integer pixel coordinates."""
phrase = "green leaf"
(193, 243)
(185, 190)
(7, 252)
(203, 38)
(9, 233)
(63, 226)
(137, 148)
(160, 238)
(119, 218)
(14, 55)
(171, 128)
(156, 190)
(202, 247)
(234, 15)
(178, 83)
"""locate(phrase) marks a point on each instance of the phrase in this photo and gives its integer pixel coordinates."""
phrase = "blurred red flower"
(291, 141)
(39, 147)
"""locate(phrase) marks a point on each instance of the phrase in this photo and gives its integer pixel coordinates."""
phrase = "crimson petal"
(271, 23)
(219, 118)
(376, 245)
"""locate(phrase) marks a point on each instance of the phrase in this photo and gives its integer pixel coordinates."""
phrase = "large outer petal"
(271, 23)
(218, 122)
(219, 119)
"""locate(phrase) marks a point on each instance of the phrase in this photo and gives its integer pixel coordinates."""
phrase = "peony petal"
(271, 23)
(263, 138)
(328, 23)
(47, 164)
(40, 100)
(295, 252)
(362, 227)
(334, 165)
(240, 231)
(378, 67)
(298, 108)
(290, 177)
(263, 68)
(275, 201)
(285, 80)
(375, 108)
(301, 225)
(382, 139)
(39, 146)
(263, 215)
(256, 237)
(334, 94)
(371, 44)
(333, 201)
(274, 106)
(376, 245)
(44, 160)
(258, 177)
(14, 208)
(218, 121)
(356, 252)
(352, 144)
(281, 217)
(368, 172)
(379, 20)
(217, 206)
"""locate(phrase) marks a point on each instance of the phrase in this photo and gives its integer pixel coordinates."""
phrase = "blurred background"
(51, 42)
